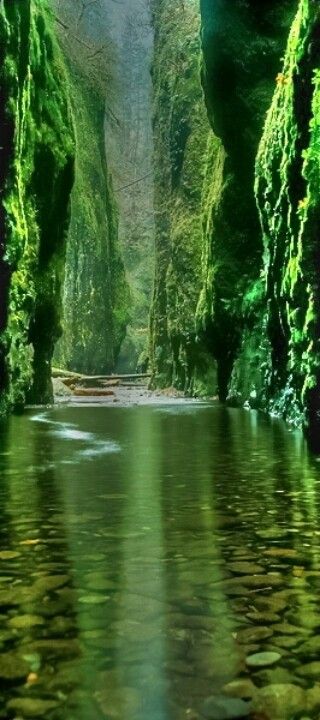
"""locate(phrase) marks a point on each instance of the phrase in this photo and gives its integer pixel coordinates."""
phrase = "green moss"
(38, 146)
(96, 298)
(287, 187)
(181, 139)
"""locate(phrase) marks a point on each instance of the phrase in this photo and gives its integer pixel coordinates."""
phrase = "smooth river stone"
(277, 552)
(253, 635)
(263, 659)
(53, 648)
(31, 707)
(49, 583)
(98, 581)
(225, 708)
(93, 599)
(9, 554)
(13, 666)
(311, 670)
(245, 568)
(25, 622)
(263, 617)
(310, 647)
(279, 702)
(243, 688)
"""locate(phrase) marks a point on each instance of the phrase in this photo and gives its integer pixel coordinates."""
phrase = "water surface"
(146, 553)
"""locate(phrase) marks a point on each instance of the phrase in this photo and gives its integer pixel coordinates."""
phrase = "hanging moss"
(288, 193)
(36, 180)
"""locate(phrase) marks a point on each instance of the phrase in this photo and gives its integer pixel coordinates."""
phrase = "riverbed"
(158, 562)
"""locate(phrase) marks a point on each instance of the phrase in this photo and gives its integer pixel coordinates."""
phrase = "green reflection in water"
(169, 543)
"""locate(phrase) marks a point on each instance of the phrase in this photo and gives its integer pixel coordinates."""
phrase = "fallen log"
(92, 392)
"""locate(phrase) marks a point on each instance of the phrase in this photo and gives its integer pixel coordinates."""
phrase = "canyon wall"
(36, 177)
(96, 296)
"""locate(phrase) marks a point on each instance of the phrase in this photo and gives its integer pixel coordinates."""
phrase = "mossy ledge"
(37, 157)
(288, 195)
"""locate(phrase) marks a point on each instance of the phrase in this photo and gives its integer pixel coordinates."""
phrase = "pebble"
(263, 659)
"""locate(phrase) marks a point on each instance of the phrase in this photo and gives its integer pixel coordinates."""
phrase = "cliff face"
(184, 152)
(288, 193)
(242, 46)
(208, 236)
(36, 177)
(96, 296)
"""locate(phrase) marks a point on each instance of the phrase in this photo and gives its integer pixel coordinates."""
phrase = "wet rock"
(310, 670)
(245, 568)
(273, 603)
(277, 552)
(61, 625)
(279, 702)
(93, 599)
(53, 648)
(311, 646)
(253, 635)
(9, 554)
(225, 708)
(98, 581)
(285, 641)
(116, 701)
(243, 688)
(286, 629)
(48, 583)
(13, 666)
(191, 621)
(25, 622)
(31, 707)
(263, 659)
(275, 676)
(260, 617)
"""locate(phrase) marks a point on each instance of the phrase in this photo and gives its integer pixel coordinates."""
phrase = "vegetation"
(36, 179)
(96, 297)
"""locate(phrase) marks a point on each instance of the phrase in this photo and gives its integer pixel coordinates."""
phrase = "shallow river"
(149, 558)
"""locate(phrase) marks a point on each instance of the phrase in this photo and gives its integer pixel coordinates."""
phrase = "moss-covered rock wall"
(185, 151)
(288, 194)
(242, 46)
(36, 176)
(96, 297)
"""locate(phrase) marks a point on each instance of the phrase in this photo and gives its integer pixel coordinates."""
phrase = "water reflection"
(146, 554)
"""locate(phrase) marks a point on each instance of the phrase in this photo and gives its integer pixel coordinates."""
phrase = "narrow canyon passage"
(159, 360)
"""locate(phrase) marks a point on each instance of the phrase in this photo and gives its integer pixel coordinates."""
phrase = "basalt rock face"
(36, 176)
(242, 46)
(288, 194)
(185, 151)
(208, 290)
(96, 296)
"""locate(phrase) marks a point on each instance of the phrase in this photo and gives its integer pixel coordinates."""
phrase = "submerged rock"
(263, 659)
(225, 708)
(279, 702)
(32, 707)
(13, 666)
